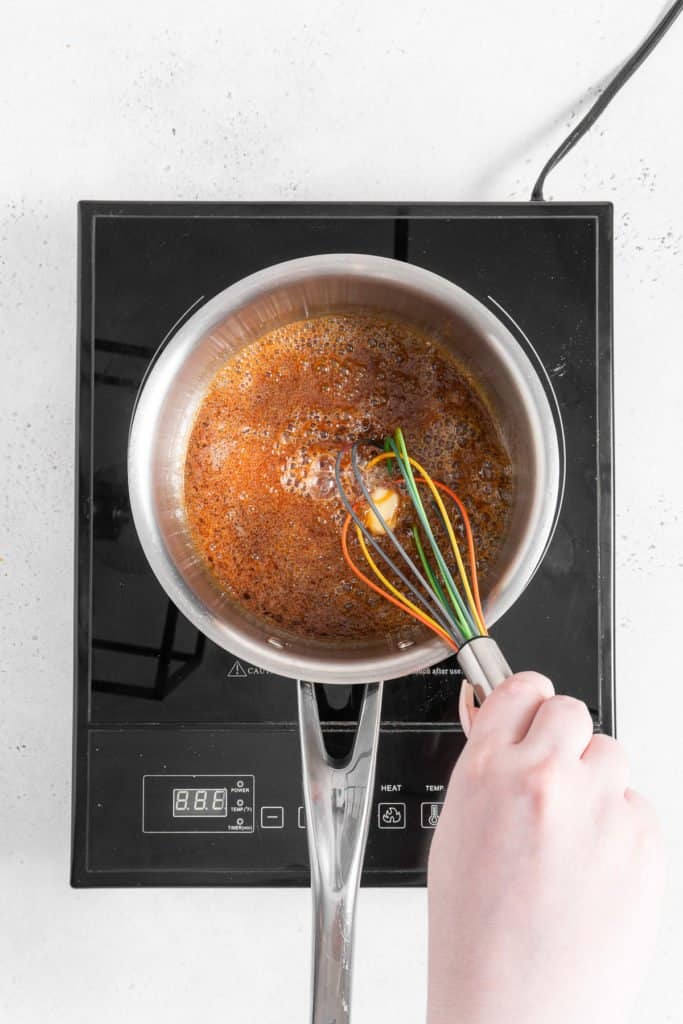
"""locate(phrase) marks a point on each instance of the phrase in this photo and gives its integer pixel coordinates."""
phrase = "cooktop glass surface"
(538, 274)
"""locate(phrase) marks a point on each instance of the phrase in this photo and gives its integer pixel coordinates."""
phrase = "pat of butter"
(386, 501)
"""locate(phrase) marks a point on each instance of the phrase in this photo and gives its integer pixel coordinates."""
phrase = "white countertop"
(310, 101)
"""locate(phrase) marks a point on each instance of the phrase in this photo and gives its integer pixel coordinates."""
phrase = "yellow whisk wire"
(454, 544)
(387, 583)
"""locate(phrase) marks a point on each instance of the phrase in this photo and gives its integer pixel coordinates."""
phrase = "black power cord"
(607, 95)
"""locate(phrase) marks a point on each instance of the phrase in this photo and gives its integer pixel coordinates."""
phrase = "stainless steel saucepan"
(338, 794)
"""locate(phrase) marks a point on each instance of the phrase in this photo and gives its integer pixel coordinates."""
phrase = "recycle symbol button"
(391, 815)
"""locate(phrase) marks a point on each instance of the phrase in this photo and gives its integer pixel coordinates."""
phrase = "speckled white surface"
(379, 100)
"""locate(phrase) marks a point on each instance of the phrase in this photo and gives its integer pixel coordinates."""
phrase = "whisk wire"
(455, 616)
(380, 575)
(471, 557)
(431, 484)
(431, 605)
(399, 602)
(474, 613)
(463, 617)
(438, 609)
(436, 593)
(426, 566)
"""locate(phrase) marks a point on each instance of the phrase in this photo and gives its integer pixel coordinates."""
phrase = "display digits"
(200, 803)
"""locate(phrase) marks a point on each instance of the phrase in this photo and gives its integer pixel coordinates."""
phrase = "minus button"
(272, 817)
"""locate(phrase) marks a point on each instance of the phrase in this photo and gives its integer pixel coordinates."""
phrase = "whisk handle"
(484, 665)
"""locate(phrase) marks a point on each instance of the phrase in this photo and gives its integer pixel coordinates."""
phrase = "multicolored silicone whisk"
(427, 578)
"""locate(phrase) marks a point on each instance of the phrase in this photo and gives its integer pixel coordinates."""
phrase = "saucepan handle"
(338, 797)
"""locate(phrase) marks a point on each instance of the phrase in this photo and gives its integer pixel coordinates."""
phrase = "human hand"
(545, 871)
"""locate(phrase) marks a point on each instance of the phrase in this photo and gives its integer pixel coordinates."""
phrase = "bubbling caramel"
(260, 493)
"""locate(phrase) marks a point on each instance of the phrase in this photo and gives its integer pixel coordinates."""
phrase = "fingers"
(607, 760)
(510, 709)
(562, 727)
(466, 707)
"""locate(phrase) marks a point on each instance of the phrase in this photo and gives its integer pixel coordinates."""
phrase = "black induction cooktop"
(186, 759)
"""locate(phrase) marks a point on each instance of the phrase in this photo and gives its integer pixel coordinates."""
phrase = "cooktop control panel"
(195, 801)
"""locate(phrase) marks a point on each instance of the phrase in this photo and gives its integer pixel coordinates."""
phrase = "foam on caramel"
(260, 495)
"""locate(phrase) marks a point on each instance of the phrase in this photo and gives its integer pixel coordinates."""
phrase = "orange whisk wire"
(415, 612)
(457, 615)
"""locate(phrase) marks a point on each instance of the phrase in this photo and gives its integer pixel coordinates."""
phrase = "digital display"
(200, 803)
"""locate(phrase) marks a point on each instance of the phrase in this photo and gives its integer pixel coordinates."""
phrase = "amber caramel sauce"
(260, 496)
